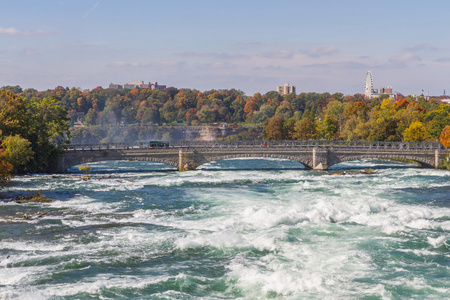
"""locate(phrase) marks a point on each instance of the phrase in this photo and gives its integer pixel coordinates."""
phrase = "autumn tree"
(5, 168)
(250, 107)
(415, 133)
(18, 151)
(400, 104)
(356, 109)
(305, 129)
(257, 98)
(289, 126)
(191, 115)
(444, 138)
(14, 118)
(274, 129)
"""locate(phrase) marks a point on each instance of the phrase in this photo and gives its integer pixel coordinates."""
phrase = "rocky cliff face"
(209, 133)
(130, 134)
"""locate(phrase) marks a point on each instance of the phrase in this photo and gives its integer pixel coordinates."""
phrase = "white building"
(286, 89)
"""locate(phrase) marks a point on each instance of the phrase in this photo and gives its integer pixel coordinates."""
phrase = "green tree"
(289, 126)
(238, 110)
(267, 111)
(437, 120)
(91, 117)
(49, 131)
(385, 130)
(207, 115)
(43, 122)
(108, 117)
(355, 129)
(168, 112)
(336, 110)
(148, 115)
(328, 128)
(14, 89)
(18, 151)
(284, 110)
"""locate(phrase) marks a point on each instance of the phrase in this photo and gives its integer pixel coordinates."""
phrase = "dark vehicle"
(158, 144)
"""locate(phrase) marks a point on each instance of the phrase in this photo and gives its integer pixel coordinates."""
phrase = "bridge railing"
(403, 146)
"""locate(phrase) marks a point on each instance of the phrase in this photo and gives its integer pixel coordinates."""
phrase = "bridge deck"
(313, 154)
(404, 146)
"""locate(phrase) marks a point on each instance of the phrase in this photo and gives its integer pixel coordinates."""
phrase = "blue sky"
(250, 45)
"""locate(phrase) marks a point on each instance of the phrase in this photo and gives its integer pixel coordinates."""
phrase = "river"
(229, 231)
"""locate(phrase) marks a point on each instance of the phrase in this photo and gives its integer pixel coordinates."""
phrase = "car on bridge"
(158, 144)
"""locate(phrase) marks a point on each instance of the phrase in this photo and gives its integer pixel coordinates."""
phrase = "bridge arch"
(212, 158)
(423, 162)
(74, 159)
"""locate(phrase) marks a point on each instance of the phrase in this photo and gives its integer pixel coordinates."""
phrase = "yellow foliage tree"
(18, 151)
(87, 170)
(445, 137)
(415, 133)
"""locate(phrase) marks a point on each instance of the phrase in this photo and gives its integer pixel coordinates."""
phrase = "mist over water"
(229, 231)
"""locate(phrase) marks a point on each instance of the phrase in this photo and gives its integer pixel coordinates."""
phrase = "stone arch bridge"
(316, 155)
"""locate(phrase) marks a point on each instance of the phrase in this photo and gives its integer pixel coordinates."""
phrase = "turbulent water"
(229, 231)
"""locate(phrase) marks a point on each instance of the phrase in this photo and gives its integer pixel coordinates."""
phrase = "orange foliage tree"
(250, 106)
(355, 109)
(445, 137)
(5, 168)
(399, 104)
(274, 129)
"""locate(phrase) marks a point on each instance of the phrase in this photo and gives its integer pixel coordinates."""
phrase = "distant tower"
(369, 85)
(286, 89)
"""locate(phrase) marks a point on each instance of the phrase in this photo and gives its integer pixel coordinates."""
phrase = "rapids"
(236, 229)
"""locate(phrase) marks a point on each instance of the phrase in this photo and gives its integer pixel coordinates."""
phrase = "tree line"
(50, 113)
(292, 116)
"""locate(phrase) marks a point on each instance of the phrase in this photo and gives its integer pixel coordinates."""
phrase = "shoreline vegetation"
(37, 197)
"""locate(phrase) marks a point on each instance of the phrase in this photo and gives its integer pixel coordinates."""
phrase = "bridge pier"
(189, 160)
(320, 159)
(437, 159)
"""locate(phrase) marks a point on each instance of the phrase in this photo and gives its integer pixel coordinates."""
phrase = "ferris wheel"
(369, 84)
